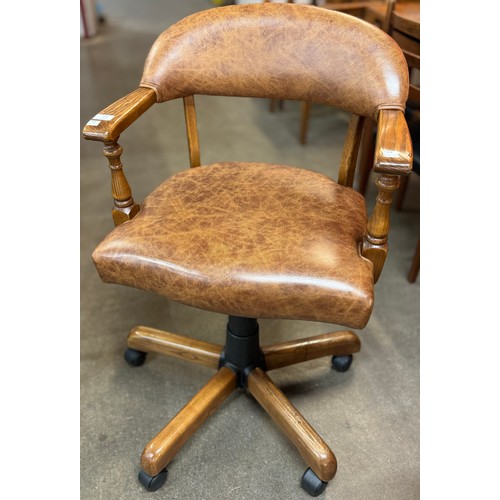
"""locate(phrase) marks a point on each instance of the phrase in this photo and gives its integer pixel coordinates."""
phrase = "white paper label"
(94, 123)
(105, 118)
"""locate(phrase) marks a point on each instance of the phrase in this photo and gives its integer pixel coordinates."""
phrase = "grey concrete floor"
(369, 415)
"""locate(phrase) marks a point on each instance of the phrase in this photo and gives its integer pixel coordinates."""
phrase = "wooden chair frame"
(393, 159)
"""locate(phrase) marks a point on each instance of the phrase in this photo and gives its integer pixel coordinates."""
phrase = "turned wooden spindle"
(125, 208)
(375, 242)
(192, 131)
(350, 152)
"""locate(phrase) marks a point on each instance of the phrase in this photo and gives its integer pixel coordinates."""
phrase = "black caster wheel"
(153, 483)
(134, 357)
(341, 363)
(312, 483)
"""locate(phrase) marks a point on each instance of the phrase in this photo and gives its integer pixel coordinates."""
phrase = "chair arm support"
(107, 127)
(393, 158)
(393, 148)
(113, 120)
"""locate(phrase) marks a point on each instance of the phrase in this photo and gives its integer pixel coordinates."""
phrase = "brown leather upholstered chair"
(258, 240)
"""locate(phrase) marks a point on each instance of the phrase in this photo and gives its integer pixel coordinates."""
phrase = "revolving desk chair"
(258, 240)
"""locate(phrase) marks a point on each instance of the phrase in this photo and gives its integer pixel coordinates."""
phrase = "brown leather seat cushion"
(248, 239)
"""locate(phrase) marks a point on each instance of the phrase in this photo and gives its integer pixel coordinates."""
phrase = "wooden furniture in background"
(256, 239)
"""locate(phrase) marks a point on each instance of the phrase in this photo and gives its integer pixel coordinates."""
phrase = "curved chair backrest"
(280, 51)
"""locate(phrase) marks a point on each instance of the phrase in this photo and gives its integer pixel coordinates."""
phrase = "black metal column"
(242, 351)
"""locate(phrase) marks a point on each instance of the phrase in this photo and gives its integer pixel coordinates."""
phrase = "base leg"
(311, 447)
(296, 351)
(164, 446)
(145, 339)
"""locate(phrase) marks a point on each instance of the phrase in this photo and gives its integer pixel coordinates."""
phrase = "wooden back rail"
(192, 131)
(350, 151)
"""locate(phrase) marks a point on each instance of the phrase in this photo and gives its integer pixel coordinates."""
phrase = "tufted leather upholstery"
(281, 51)
(248, 239)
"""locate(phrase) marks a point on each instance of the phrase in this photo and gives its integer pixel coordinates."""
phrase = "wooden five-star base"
(163, 447)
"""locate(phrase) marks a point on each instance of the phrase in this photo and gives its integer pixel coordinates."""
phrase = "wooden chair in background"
(258, 240)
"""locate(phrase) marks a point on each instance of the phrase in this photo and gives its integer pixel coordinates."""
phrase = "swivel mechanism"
(242, 350)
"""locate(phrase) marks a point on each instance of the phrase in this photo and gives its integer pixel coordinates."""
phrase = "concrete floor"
(369, 415)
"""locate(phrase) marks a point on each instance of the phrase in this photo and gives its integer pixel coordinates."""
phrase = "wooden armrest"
(113, 120)
(393, 157)
(393, 148)
(107, 127)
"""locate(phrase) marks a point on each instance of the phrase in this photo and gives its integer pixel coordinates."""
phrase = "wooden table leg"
(311, 447)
